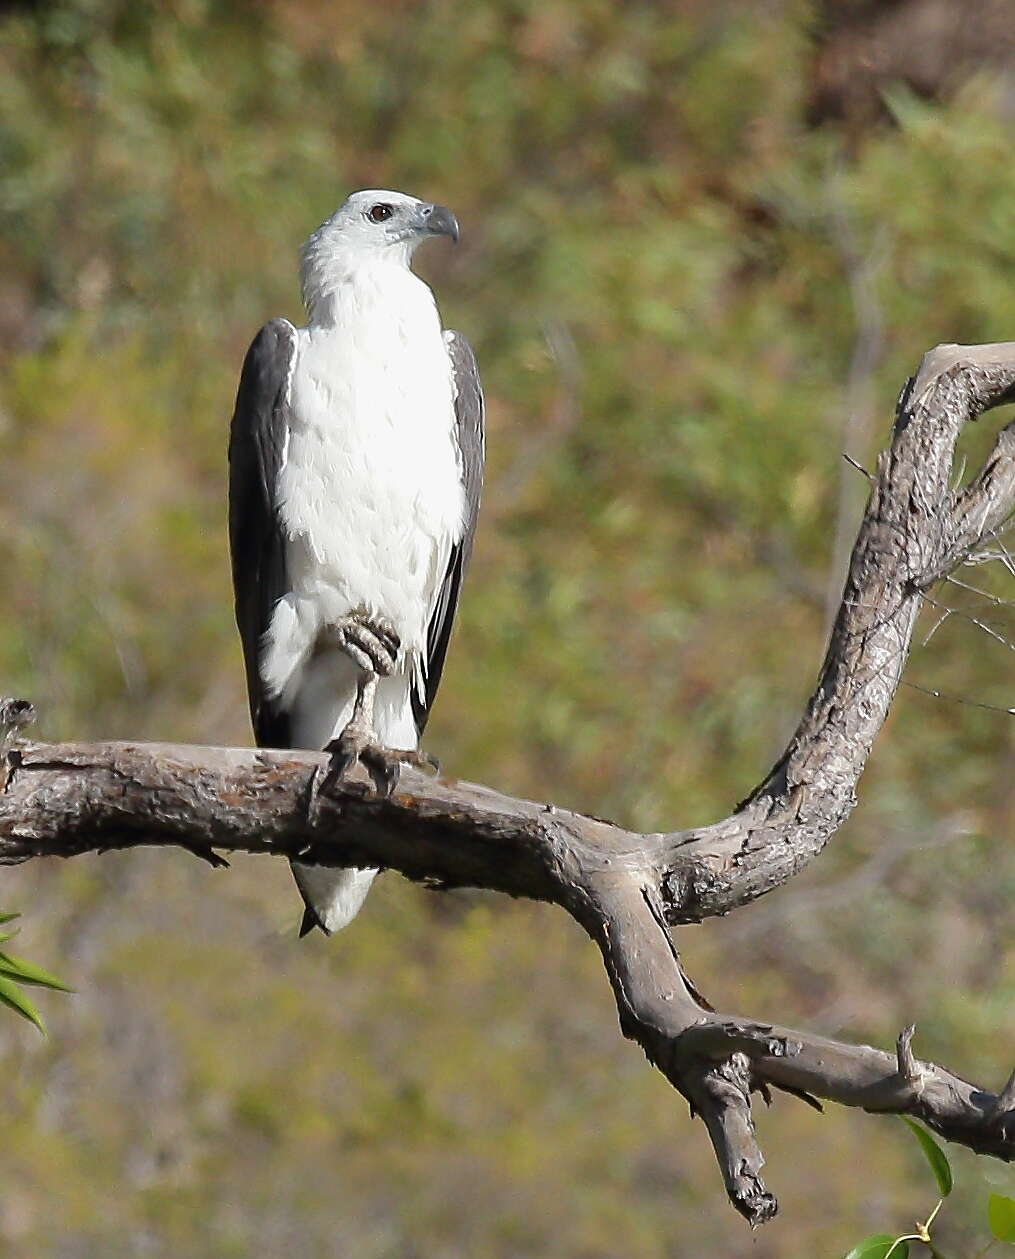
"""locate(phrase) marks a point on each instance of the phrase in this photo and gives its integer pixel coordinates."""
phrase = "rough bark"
(626, 889)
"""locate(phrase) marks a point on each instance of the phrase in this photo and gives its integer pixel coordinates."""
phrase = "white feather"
(371, 492)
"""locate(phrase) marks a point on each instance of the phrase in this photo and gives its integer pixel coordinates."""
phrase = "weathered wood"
(626, 889)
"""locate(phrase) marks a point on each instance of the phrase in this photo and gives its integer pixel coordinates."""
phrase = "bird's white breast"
(370, 492)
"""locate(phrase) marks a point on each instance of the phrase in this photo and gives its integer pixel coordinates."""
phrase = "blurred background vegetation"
(703, 245)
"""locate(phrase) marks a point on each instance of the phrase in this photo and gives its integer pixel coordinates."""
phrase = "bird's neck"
(336, 284)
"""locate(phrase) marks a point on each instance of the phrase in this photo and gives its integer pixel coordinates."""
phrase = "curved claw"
(343, 758)
(419, 759)
(384, 767)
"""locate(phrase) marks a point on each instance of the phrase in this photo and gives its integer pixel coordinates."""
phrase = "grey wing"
(256, 443)
(470, 436)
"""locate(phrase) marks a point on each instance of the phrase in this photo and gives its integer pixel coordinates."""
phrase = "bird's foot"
(385, 765)
(369, 641)
(357, 744)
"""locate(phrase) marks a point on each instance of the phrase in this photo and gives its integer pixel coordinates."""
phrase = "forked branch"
(626, 889)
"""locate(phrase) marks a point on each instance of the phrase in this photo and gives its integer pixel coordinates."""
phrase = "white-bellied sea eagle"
(355, 471)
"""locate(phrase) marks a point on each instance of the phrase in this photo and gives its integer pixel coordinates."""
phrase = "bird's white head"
(370, 228)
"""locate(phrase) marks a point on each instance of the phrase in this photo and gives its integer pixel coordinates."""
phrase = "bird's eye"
(378, 213)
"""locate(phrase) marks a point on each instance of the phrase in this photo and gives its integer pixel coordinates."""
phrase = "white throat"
(329, 273)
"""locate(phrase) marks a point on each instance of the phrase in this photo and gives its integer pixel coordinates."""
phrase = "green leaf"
(26, 972)
(11, 995)
(1001, 1214)
(8, 918)
(934, 1155)
(877, 1246)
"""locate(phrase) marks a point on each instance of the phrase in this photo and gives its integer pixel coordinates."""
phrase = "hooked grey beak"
(437, 220)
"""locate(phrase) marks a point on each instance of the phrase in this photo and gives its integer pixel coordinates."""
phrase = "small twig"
(858, 466)
(936, 626)
(959, 699)
(996, 600)
(205, 853)
(966, 616)
(15, 715)
(909, 1068)
(1006, 1098)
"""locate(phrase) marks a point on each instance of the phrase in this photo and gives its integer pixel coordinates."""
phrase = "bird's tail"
(333, 897)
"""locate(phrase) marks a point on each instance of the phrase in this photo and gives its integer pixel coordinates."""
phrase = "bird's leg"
(372, 644)
(357, 740)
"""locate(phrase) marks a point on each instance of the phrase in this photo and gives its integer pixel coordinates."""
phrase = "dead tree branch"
(626, 889)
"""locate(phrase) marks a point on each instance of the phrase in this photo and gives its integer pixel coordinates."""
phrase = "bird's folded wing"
(470, 441)
(257, 440)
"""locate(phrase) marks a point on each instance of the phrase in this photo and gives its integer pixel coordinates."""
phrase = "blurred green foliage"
(687, 299)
